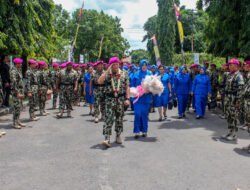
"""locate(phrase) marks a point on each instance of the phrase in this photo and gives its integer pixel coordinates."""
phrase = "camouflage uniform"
(114, 105)
(234, 88)
(223, 91)
(1, 90)
(17, 88)
(214, 84)
(32, 87)
(245, 101)
(43, 84)
(81, 86)
(67, 81)
(78, 93)
(53, 76)
(99, 98)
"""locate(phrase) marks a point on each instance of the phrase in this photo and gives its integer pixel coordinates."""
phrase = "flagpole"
(100, 50)
(182, 51)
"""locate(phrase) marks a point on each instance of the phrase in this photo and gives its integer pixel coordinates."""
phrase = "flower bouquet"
(151, 83)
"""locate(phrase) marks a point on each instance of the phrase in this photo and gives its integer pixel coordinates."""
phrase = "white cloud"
(69, 5)
(133, 14)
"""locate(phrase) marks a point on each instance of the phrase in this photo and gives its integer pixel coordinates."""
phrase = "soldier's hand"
(40, 92)
(127, 103)
(29, 94)
(19, 96)
(75, 90)
(237, 105)
(6, 84)
(84, 93)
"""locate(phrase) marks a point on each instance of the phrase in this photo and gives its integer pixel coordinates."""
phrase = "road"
(66, 154)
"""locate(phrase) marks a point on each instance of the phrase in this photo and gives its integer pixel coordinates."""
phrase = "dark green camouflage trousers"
(42, 98)
(66, 97)
(55, 96)
(99, 101)
(114, 113)
(232, 114)
(33, 100)
(17, 105)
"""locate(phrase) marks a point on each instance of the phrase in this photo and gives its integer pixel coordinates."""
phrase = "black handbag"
(212, 104)
(170, 105)
(175, 103)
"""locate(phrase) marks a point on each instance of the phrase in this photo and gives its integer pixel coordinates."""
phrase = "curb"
(9, 110)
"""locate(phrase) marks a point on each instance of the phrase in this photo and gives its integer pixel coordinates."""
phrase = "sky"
(133, 14)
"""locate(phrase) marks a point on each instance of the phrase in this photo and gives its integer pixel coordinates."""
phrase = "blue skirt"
(162, 101)
(89, 99)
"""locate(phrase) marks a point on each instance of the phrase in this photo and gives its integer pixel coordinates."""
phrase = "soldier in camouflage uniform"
(214, 82)
(194, 72)
(17, 92)
(32, 89)
(79, 79)
(43, 84)
(83, 68)
(67, 82)
(222, 88)
(99, 90)
(206, 65)
(117, 95)
(1, 101)
(234, 86)
(52, 77)
(246, 99)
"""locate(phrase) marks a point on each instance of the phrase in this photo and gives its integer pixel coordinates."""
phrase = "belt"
(113, 95)
(66, 84)
(100, 85)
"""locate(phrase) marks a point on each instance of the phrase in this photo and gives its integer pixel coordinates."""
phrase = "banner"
(197, 58)
(181, 31)
(100, 51)
(156, 50)
(71, 54)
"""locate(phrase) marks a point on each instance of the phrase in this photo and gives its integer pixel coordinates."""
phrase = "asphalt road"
(67, 154)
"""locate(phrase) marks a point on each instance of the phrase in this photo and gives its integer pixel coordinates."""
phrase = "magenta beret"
(247, 62)
(55, 64)
(63, 65)
(114, 60)
(206, 63)
(213, 65)
(69, 63)
(31, 61)
(17, 60)
(234, 61)
(99, 62)
(41, 63)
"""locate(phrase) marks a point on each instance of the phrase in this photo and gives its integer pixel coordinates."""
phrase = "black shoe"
(179, 117)
(198, 117)
(137, 136)
(184, 115)
(144, 135)
(160, 119)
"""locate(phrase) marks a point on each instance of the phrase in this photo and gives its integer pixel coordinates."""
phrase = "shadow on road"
(242, 152)
(142, 139)
(101, 147)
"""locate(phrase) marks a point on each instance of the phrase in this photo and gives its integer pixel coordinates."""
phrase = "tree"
(228, 28)
(138, 55)
(150, 27)
(94, 26)
(165, 34)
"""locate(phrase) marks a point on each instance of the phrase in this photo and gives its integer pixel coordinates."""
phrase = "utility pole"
(192, 43)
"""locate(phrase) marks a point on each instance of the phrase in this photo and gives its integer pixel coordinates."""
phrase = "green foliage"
(165, 34)
(228, 27)
(93, 27)
(150, 27)
(138, 55)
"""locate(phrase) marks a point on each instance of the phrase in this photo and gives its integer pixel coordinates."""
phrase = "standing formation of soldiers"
(109, 84)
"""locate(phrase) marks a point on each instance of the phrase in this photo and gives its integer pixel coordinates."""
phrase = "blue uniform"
(162, 101)
(89, 99)
(201, 88)
(182, 88)
(142, 105)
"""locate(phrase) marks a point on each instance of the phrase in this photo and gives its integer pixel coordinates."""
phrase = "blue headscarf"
(204, 68)
(125, 67)
(141, 72)
(182, 67)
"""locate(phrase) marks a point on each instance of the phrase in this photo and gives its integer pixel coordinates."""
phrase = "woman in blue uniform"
(131, 77)
(182, 89)
(162, 101)
(89, 99)
(141, 107)
(201, 89)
